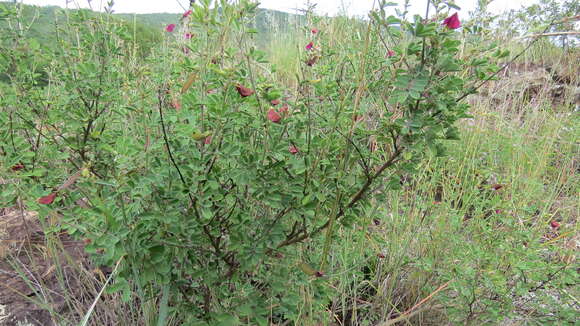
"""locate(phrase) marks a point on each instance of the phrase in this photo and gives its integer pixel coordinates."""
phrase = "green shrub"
(184, 170)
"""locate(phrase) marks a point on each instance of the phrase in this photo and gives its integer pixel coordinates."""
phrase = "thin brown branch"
(355, 199)
(549, 34)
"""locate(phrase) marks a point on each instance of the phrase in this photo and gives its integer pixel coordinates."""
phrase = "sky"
(330, 7)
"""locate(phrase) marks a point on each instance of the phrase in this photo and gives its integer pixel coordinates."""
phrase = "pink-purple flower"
(293, 149)
(274, 116)
(176, 104)
(452, 21)
(284, 110)
(18, 167)
(170, 28)
(309, 46)
(244, 91)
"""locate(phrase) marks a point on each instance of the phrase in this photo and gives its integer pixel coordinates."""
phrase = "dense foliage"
(200, 176)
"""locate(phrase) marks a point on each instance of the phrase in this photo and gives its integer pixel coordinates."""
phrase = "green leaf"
(452, 5)
(206, 213)
(227, 320)
(392, 20)
(157, 253)
(425, 30)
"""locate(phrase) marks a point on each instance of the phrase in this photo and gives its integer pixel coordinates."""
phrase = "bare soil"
(31, 285)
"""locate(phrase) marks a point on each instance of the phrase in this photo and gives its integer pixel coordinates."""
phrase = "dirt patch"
(35, 279)
(531, 83)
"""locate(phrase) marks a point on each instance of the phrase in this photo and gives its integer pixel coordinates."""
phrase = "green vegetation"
(40, 23)
(249, 167)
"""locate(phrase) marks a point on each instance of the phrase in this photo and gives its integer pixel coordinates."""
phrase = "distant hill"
(40, 23)
(156, 21)
(149, 26)
(267, 21)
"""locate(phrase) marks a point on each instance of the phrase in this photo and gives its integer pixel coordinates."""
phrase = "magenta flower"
(176, 105)
(244, 91)
(554, 224)
(293, 149)
(18, 167)
(452, 21)
(207, 140)
(170, 28)
(274, 116)
(309, 46)
(284, 110)
(186, 14)
(390, 53)
(188, 36)
(314, 31)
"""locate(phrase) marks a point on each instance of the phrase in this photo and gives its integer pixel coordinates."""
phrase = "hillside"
(40, 24)
(149, 27)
